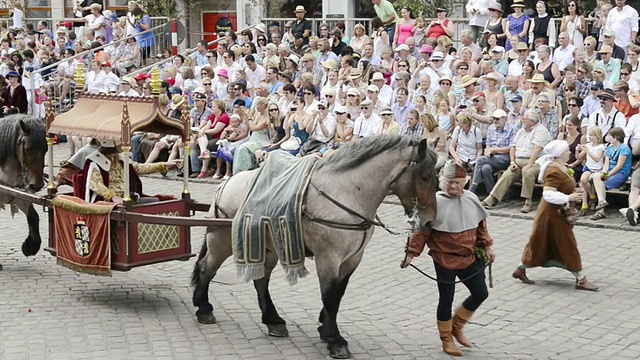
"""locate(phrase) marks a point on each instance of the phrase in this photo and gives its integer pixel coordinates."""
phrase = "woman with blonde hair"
(359, 38)
(353, 103)
(466, 142)
(436, 138)
(270, 57)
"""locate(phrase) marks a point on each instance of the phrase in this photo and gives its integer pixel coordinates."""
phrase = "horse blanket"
(273, 209)
(82, 232)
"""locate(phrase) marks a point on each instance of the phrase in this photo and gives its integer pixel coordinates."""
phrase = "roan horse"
(23, 146)
(344, 194)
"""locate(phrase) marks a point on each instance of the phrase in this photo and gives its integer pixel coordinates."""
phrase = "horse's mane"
(353, 154)
(10, 132)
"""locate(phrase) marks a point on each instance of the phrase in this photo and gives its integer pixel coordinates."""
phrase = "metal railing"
(185, 53)
(47, 78)
(459, 23)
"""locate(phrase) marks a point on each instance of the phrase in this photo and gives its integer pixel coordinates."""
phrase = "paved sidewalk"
(50, 312)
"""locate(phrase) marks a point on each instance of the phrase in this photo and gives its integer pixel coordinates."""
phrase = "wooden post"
(185, 119)
(125, 135)
(49, 116)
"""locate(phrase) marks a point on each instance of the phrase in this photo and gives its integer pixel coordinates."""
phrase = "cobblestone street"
(51, 312)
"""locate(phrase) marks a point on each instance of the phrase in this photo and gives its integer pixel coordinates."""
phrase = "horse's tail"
(197, 270)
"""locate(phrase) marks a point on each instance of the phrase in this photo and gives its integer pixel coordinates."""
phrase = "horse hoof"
(206, 318)
(339, 352)
(29, 247)
(278, 330)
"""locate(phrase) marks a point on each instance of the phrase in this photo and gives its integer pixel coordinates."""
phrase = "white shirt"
(95, 81)
(623, 22)
(255, 77)
(563, 57)
(18, 15)
(330, 123)
(111, 82)
(481, 14)
(386, 94)
(466, 143)
(311, 109)
(366, 126)
(93, 21)
(525, 141)
(130, 93)
(591, 164)
(632, 130)
(515, 68)
(131, 30)
(608, 121)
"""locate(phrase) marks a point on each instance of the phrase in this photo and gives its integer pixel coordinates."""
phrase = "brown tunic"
(452, 251)
(552, 237)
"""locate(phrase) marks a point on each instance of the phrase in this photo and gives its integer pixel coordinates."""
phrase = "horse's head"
(416, 186)
(30, 152)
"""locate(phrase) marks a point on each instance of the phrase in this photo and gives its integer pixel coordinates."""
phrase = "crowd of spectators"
(515, 82)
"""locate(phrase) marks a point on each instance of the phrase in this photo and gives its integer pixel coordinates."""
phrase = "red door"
(214, 22)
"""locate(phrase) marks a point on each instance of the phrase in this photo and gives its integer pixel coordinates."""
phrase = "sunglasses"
(582, 71)
(273, 109)
(364, 107)
(595, 89)
(476, 101)
(321, 108)
(206, 84)
(568, 90)
(463, 68)
(588, 44)
(308, 93)
(446, 83)
(351, 95)
(402, 65)
(209, 56)
(624, 74)
(386, 115)
(329, 96)
(522, 50)
(340, 113)
(573, 105)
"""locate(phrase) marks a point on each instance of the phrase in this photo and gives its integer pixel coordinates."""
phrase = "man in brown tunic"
(460, 227)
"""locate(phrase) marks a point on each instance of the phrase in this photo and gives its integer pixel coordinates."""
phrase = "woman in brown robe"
(552, 243)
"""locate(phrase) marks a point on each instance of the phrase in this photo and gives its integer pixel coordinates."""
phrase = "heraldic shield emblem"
(82, 237)
(83, 234)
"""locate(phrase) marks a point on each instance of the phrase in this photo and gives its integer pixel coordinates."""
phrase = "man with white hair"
(496, 155)
(367, 122)
(523, 153)
(616, 51)
(563, 54)
(468, 40)
(413, 50)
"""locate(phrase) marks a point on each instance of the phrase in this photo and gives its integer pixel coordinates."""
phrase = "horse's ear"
(422, 149)
(24, 128)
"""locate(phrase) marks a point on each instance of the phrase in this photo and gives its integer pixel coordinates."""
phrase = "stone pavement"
(50, 312)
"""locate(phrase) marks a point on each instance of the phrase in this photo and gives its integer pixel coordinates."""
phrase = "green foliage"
(160, 8)
(424, 8)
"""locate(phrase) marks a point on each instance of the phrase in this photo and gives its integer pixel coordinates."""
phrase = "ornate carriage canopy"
(116, 117)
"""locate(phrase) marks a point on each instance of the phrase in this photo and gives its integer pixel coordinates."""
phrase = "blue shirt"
(148, 39)
(613, 155)
(501, 139)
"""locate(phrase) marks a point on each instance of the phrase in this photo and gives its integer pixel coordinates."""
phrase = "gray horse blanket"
(273, 210)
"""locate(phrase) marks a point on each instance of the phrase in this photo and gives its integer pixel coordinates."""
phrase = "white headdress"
(551, 151)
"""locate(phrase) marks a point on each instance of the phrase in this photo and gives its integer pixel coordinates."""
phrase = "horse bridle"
(21, 155)
(367, 223)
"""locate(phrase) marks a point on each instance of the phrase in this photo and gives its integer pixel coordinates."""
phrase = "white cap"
(341, 109)
(497, 49)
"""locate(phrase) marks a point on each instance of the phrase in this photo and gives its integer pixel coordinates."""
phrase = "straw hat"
(329, 64)
(377, 76)
(517, 3)
(537, 78)
(492, 76)
(467, 80)
(300, 9)
(176, 101)
(355, 73)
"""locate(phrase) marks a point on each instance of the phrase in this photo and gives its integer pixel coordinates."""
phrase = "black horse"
(23, 146)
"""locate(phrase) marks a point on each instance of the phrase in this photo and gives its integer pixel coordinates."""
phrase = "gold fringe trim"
(87, 269)
(83, 208)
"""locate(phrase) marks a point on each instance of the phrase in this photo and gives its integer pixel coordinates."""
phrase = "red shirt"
(224, 118)
(626, 108)
(437, 30)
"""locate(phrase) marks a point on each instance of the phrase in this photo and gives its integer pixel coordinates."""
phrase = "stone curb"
(497, 213)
